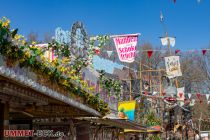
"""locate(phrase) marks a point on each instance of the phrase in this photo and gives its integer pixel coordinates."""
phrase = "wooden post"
(200, 124)
(4, 119)
(140, 77)
(150, 75)
(169, 45)
(130, 83)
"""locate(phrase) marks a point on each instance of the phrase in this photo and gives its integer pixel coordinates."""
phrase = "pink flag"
(126, 47)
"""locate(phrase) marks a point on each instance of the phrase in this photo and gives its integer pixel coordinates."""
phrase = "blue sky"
(188, 20)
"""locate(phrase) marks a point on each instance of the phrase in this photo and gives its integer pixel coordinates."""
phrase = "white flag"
(109, 53)
(207, 97)
(126, 47)
(172, 41)
(189, 95)
(166, 40)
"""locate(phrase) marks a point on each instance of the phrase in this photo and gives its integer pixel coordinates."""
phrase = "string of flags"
(181, 96)
(177, 51)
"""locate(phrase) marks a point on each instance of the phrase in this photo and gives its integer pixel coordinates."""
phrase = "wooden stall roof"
(13, 88)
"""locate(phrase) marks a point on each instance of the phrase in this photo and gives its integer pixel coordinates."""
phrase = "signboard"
(126, 110)
(126, 47)
(173, 66)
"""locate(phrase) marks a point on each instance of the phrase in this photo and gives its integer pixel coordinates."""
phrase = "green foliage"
(111, 85)
(152, 120)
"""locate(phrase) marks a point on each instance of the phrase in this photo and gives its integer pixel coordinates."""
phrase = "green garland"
(31, 56)
(111, 85)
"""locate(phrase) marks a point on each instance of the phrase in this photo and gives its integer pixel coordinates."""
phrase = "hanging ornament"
(177, 51)
(204, 51)
(207, 96)
(189, 95)
(97, 50)
(149, 53)
(109, 53)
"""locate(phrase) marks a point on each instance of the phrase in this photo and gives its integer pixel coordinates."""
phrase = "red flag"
(198, 95)
(204, 52)
(177, 51)
(180, 94)
(149, 53)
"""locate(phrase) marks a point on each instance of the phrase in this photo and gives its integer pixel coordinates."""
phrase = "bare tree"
(195, 78)
(47, 37)
(32, 36)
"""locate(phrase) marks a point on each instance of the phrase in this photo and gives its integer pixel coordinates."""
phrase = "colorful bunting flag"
(198, 95)
(189, 95)
(207, 97)
(149, 53)
(177, 51)
(109, 53)
(204, 51)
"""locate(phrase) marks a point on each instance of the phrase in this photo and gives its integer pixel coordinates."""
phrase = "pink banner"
(126, 47)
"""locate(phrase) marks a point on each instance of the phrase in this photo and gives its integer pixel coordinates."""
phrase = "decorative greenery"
(111, 85)
(14, 48)
(155, 137)
(96, 42)
(152, 120)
